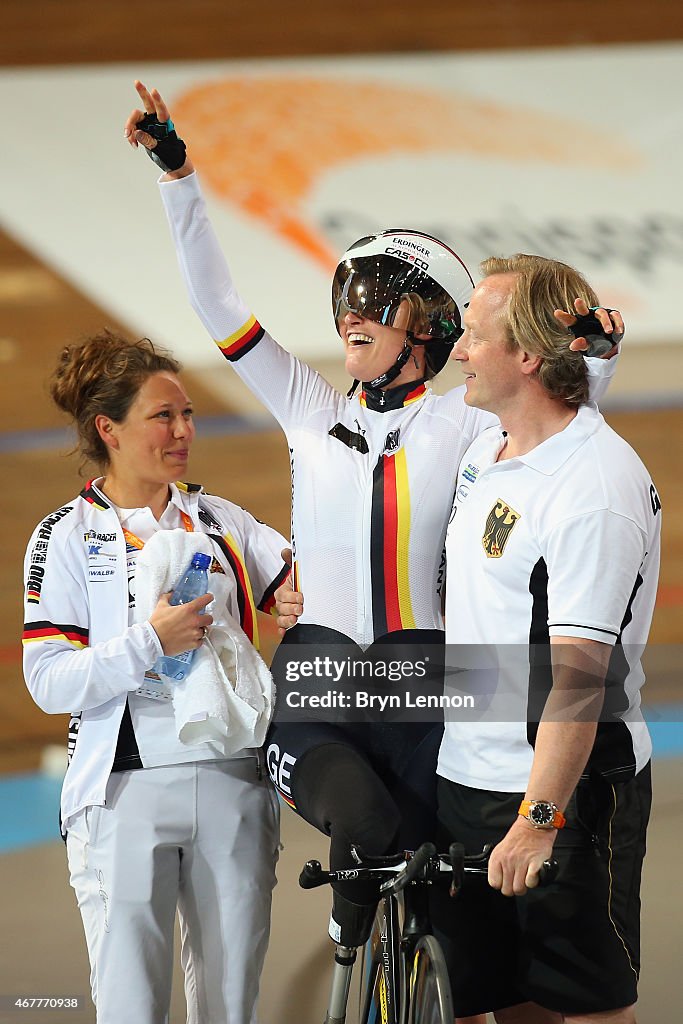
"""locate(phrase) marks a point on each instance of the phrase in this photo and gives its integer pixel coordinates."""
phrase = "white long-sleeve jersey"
(372, 477)
(80, 654)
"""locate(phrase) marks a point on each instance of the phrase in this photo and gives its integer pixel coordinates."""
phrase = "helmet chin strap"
(392, 373)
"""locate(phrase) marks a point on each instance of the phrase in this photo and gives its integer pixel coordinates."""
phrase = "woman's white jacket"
(80, 655)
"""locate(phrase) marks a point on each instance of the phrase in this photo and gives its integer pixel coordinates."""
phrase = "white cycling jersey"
(372, 477)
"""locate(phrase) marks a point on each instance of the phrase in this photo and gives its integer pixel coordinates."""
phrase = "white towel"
(227, 697)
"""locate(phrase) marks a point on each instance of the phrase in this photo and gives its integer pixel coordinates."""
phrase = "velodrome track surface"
(238, 453)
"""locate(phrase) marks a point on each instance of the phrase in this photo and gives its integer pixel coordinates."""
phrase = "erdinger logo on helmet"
(410, 256)
(407, 244)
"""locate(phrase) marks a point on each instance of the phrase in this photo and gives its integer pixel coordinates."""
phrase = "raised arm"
(153, 129)
(290, 389)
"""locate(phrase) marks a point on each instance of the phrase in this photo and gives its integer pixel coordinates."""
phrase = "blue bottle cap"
(201, 561)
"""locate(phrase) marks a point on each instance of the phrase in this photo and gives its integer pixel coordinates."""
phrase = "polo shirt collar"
(552, 453)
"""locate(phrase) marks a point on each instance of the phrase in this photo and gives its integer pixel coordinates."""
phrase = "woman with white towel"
(153, 824)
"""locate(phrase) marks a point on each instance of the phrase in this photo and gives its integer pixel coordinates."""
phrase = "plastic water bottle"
(194, 583)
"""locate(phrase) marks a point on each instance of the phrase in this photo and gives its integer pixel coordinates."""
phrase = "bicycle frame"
(387, 966)
(404, 956)
(394, 946)
(392, 949)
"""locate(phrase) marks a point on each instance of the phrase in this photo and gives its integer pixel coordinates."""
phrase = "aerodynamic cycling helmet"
(378, 272)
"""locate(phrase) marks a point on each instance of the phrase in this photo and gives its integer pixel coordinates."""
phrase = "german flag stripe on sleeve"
(390, 531)
(245, 598)
(242, 341)
(267, 602)
(40, 631)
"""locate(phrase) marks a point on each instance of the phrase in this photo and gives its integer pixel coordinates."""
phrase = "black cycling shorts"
(572, 947)
(369, 783)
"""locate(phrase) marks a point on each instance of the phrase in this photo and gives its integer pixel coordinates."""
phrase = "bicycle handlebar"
(396, 876)
(413, 868)
(478, 864)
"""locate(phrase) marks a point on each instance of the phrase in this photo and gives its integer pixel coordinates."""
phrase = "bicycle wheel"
(430, 991)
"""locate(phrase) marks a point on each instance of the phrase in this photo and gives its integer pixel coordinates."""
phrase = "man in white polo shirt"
(553, 556)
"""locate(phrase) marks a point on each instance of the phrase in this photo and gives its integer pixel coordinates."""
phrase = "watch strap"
(558, 821)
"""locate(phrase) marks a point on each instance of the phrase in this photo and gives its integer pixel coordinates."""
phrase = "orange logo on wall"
(262, 143)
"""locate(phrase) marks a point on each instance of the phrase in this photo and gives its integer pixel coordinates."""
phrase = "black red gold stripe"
(94, 497)
(242, 341)
(392, 398)
(245, 598)
(267, 602)
(415, 395)
(41, 631)
(287, 797)
(389, 545)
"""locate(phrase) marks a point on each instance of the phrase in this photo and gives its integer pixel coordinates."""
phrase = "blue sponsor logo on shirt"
(470, 473)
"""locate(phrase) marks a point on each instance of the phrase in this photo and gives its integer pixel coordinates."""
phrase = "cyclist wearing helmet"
(372, 490)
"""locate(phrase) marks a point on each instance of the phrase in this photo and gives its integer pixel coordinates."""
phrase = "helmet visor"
(375, 287)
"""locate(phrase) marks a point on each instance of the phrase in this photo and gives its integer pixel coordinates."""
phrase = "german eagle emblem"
(499, 525)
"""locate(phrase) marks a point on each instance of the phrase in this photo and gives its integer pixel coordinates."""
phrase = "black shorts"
(573, 947)
(391, 762)
(369, 783)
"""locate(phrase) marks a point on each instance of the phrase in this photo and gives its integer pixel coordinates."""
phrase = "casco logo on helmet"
(422, 264)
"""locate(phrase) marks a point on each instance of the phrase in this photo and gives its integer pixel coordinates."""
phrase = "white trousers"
(200, 838)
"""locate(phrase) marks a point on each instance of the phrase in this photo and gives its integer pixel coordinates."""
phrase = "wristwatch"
(542, 814)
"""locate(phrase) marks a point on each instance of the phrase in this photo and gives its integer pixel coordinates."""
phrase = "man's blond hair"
(542, 286)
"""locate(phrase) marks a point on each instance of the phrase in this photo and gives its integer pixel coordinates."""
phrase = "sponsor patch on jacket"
(101, 562)
(36, 571)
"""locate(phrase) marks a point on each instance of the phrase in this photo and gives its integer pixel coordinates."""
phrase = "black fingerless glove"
(169, 152)
(590, 328)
